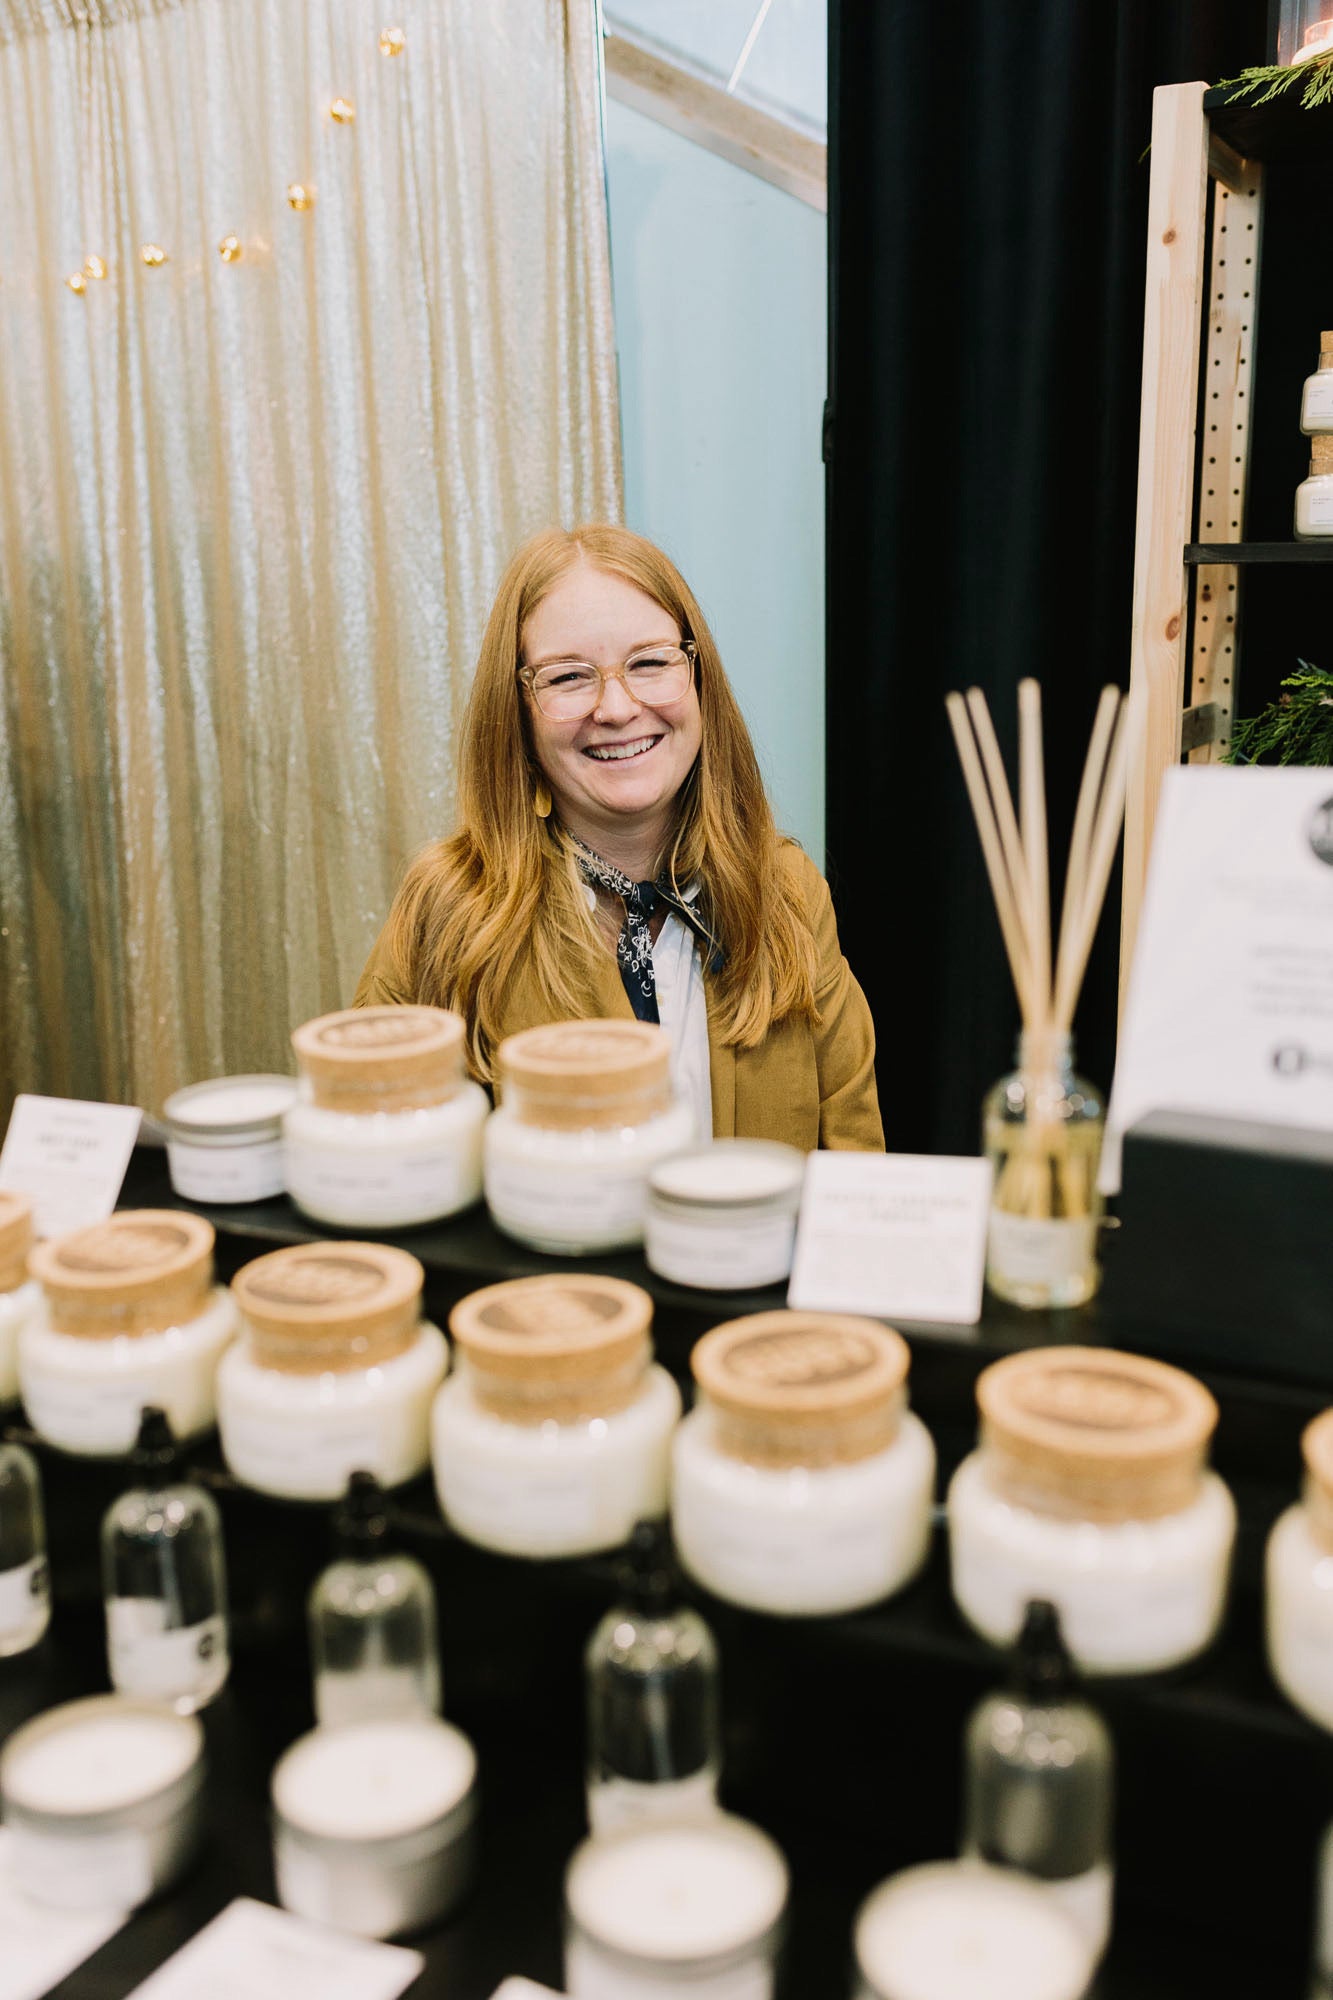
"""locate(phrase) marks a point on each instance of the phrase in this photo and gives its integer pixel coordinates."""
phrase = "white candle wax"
(731, 1170)
(374, 1780)
(233, 1101)
(98, 1763)
(675, 1894)
(962, 1931)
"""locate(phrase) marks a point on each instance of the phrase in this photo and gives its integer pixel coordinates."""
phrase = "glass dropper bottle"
(652, 1691)
(25, 1583)
(1038, 1778)
(373, 1647)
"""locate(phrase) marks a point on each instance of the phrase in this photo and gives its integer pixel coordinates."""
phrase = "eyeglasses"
(567, 690)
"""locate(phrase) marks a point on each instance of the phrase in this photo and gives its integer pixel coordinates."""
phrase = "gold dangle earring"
(541, 800)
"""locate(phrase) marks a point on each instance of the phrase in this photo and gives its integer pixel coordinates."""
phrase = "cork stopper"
(15, 1240)
(141, 1271)
(1321, 455)
(330, 1307)
(1317, 1451)
(560, 1347)
(369, 1059)
(574, 1074)
(1326, 350)
(1090, 1433)
(803, 1388)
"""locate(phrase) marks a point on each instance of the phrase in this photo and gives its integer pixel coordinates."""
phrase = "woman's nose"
(616, 704)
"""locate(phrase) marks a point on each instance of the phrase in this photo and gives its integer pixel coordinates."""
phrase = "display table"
(842, 1734)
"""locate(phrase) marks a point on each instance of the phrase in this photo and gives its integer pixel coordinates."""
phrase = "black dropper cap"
(361, 1517)
(155, 1448)
(647, 1575)
(1043, 1670)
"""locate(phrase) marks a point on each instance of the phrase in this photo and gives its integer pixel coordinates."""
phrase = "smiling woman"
(616, 855)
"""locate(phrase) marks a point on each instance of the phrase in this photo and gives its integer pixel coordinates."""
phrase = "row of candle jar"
(385, 1130)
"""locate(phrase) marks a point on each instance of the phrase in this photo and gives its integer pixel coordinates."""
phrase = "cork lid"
(140, 1271)
(573, 1340)
(803, 1387)
(330, 1306)
(1326, 343)
(382, 1058)
(1321, 454)
(574, 1073)
(15, 1240)
(1089, 1430)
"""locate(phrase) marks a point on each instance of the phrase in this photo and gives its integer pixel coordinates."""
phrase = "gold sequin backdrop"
(253, 506)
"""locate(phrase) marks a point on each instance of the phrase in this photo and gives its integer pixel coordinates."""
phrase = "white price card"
(254, 1952)
(40, 1944)
(68, 1157)
(1230, 1007)
(895, 1235)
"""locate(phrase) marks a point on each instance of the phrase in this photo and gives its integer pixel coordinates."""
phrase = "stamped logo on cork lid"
(114, 1247)
(551, 1311)
(141, 1269)
(330, 1277)
(381, 1058)
(375, 1028)
(800, 1362)
(1097, 1399)
(330, 1305)
(554, 1328)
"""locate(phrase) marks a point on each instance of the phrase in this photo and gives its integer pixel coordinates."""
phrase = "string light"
(342, 111)
(152, 254)
(94, 267)
(77, 283)
(299, 197)
(392, 42)
(229, 250)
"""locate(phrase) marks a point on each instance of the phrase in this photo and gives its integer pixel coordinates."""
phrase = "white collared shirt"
(678, 974)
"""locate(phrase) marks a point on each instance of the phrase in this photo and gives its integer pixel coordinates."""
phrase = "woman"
(616, 855)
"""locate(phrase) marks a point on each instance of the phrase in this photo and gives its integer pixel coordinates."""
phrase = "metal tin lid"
(330, 1306)
(687, 1894)
(382, 1058)
(796, 1388)
(376, 1780)
(1090, 1430)
(223, 1109)
(577, 1073)
(105, 1757)
(961, 1924)
(731, 1173)
(140, 1271)
(554, 1330)
(15, 1239)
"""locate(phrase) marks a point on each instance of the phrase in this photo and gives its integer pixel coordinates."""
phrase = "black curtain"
(988, 206)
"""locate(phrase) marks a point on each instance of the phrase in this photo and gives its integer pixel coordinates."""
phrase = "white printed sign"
(895, 1235)
(254, 1952)
(68, 1157)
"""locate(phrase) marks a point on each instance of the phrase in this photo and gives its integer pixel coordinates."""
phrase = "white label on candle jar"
(1030, 1250)
(156, 1662)
(366, 1181)
(1319, 505)
(102, 1415)
(285, 1454)
(755, 1252)
(760, 1555)
(617, 1802)
(511, 1498)
(252, 1172)
(21, 1591)
(591, 1974)
(1317, 402)
(114, 1870)
(540, 1194)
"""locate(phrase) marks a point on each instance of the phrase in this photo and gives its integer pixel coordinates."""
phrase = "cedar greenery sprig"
(1297, 728)
(1274, 78)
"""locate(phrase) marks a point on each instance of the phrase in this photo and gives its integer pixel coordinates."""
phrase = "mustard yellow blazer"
(810, 1084)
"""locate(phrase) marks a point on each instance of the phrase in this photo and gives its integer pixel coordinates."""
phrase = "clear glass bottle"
(1038, 1779)
(25, 1580)
(1314, 496)
(1042, 1132)
(371, 1614)
(651, 1674)
(164, 1580)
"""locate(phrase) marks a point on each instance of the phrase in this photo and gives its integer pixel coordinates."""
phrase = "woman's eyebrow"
(640, 646)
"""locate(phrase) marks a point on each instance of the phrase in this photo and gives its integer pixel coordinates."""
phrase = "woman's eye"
(652, 661)
(566, 677)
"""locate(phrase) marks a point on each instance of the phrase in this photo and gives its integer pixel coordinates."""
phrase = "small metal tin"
(224, 1137)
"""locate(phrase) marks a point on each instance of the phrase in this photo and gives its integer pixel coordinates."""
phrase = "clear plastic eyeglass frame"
(655, 677)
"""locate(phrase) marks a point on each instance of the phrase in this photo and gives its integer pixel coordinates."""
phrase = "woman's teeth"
(609, 752)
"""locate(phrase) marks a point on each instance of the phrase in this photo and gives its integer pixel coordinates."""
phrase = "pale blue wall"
(720, 323)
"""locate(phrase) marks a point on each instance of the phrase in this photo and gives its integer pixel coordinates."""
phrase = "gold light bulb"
(300, 197)
(153, 254)
(77, 283)
(229, 250)
(392, 42)
(94, 267)
(342, 111)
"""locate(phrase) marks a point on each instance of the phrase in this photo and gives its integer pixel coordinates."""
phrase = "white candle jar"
(959, 1930)
(552, 1438)
(387, 1131)
(801, 1482)
(20, 1295)
(102, 1802)
(373, 1824)
(657, 1911)
(334, 1374)
(723, 1216)
(224, 1138)
(1299, 1584)
(586, 1112)
(1091, 1489)
(129, 1316)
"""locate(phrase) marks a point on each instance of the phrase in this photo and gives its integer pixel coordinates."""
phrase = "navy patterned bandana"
(634, 946)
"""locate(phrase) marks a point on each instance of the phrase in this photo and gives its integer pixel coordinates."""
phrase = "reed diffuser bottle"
(652, 1684)
(164, 1580)
(372, 1620)
(1042, 1127)
(25, 1585)
(1038, 1779)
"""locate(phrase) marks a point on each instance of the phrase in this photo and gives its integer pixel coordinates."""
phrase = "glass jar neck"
(1044, 1052)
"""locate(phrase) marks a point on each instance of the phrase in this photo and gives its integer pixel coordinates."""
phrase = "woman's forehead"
(590, 611)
